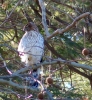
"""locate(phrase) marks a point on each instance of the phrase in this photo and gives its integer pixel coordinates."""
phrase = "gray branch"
(19, 86)
(44, 17)
(61, 31)
(55, 61)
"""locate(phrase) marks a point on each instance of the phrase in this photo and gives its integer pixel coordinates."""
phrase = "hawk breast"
(31, 47)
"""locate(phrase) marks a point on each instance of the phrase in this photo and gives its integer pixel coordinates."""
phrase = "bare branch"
(8, 46)
(44, 17)
(27, 16)
(61, 31)
(5, 65)
(63, 4)
(11, 12)
(49, 95)
(55, 61)
(19, 86)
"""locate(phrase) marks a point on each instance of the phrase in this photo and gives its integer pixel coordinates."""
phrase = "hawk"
(31, 46)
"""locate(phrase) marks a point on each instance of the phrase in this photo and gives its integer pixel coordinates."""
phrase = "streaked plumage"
(31, 46)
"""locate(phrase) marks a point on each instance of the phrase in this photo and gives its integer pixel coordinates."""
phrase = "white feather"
(31, 48)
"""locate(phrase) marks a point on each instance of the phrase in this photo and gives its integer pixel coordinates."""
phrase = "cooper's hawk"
(31, 46)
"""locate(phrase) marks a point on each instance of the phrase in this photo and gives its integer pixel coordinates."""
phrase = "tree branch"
(9, 72)
(44, 17)
(79, 72)
(49, 95)
(55, 61)
(63, 4)
(11, 12)
(61, 31)
(19, 86)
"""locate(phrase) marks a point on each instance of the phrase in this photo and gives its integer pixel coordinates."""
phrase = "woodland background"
(66, 26)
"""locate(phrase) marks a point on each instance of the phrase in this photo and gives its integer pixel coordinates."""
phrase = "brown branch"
(5, 28)
(36, 11)
(57, 18)
(63, 4)
(11, 12)
(59, 31)
(52, 49)
(15, 29)
(62, 79)
(27, 16)
(49, 13)
(57, 86)
(58, 55)
(79, 72)
(90, 79)
(8, 46)
(38, 14)
(2, 1)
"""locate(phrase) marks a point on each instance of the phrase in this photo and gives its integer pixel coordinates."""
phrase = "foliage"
(69, 81)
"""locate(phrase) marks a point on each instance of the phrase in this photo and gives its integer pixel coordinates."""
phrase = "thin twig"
(8, 46)
(11, 12)
(5, 65)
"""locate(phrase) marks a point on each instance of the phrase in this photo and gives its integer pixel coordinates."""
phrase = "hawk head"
(30, 27)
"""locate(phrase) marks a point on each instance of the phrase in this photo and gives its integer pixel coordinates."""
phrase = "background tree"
(66, 28)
